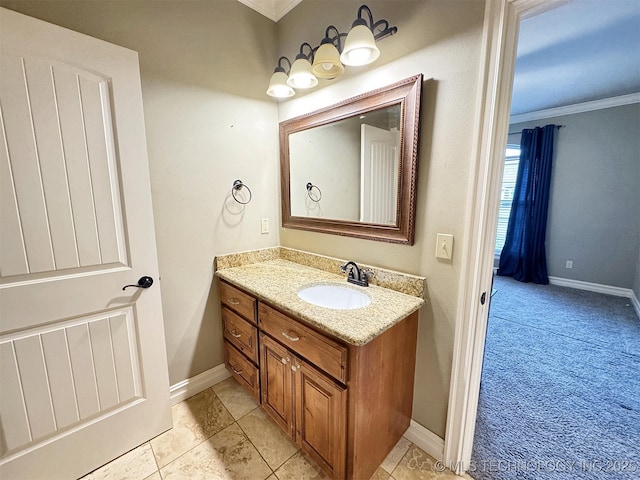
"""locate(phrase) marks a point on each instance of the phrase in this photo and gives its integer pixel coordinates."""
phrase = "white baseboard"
(191, 386)
(599, 288)
(425, 439)
(591, 287)
(636, 303)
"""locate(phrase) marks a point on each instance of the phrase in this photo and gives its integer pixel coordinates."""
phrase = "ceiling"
(577, 52)
(273, 9)
(580, 51)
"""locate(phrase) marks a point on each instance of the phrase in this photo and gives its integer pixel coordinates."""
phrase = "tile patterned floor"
(221, 433)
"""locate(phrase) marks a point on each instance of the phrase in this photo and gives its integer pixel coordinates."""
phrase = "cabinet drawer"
(237, 300)
(243, 370)
(323, 352)
(241, 334)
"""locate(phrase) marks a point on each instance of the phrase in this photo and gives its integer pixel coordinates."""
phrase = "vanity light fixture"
(327, 60)
(278, 85)
(300, 75)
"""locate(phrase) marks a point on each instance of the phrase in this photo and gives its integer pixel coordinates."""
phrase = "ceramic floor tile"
(417, 465)
(380, 474)
(228, 455)
(270, 441)
(300, 467)
(155, 476)
(138, 464)
(194, 420)
(395, 455)
(234, 397)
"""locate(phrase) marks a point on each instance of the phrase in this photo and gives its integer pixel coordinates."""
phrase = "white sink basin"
(334, 296)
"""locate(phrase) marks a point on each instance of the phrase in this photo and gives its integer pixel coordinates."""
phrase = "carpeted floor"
(560, 390)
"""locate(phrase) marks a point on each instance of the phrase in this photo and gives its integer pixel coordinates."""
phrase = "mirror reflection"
(348, 170)
(351, 168)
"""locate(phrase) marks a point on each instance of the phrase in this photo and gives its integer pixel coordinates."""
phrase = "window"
(512, 159)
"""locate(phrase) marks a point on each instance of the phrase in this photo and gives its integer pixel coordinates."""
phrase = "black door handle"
(143, 282)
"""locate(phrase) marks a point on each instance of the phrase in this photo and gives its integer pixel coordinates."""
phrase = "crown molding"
(272, 9)
(577, 108)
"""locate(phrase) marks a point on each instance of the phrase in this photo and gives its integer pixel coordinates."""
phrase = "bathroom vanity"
(338, 382)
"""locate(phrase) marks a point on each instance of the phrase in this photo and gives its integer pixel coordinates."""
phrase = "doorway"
(501, 25)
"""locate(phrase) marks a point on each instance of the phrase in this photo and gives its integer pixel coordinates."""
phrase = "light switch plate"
(444, 246)
(264, 225)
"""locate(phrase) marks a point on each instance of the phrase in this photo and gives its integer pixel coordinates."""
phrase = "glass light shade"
(326, 63)
(300, 75)
(360, 47)
(278, 86)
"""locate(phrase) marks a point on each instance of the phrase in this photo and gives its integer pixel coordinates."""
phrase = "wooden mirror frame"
(407, 94)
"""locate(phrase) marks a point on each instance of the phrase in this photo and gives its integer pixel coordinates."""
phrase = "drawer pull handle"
(235, 334)
(291, 336)
(234, 301)
(236, 371)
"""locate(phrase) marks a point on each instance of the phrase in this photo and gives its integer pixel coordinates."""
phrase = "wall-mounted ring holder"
(315, 194)
(237, 187)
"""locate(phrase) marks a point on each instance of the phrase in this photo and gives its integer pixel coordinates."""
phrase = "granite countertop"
(278, 281)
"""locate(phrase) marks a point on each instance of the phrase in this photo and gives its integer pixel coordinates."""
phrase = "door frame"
(499, 46)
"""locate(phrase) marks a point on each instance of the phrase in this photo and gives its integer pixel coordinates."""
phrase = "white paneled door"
(379, 153)
(83, 367)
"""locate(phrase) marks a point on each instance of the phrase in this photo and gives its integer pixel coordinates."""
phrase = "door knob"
(143, 282)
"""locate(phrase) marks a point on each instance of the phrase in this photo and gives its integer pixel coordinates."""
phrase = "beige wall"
(204, 67)
(442, 41)
(329, 157)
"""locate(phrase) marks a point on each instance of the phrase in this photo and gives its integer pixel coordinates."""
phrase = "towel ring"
(238, 185)
(310, 187)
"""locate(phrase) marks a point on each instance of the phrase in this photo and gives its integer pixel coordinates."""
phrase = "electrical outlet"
(444, 246)
(569, 264)
(265, 225)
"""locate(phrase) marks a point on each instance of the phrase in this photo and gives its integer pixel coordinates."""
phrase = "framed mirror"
(351, 168)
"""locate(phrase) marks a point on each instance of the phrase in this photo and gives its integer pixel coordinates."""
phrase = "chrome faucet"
(356, 276)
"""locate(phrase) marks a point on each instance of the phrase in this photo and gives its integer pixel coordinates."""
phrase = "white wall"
(440, 39)
(328, 157)
(204, 68)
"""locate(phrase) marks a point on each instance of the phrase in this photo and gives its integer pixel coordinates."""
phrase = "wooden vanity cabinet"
(346, 406)
(240, 337)
(308, 404)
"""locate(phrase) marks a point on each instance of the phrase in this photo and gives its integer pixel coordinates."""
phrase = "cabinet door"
(277, 383)
(321, 408)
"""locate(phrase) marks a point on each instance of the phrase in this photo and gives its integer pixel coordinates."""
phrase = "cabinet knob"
(285, 360)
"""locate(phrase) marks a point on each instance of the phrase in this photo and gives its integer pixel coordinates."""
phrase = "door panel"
(60, 164)
(83, 364)
(321, 418)
(379, 152)
(277, 382)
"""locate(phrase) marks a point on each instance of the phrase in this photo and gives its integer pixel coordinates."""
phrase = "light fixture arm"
(382, 33)
(280, 68)
(336, 39)
(309, 56)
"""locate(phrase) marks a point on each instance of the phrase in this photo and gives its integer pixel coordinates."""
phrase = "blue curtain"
(523, 256)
